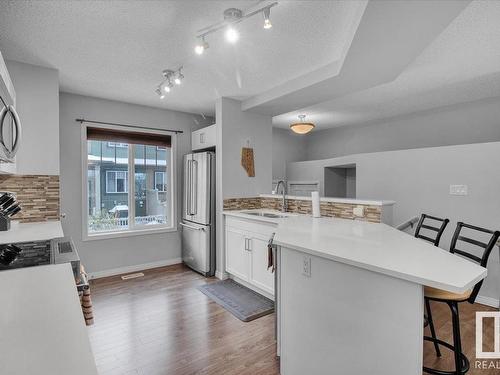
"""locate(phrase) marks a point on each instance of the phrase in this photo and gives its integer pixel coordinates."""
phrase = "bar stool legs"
(431, 326)
(461, 361)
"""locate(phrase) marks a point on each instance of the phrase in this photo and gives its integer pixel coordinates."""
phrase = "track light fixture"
(166, 86)
(232, 16)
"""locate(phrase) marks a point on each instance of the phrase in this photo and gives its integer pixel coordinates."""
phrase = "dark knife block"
(4, 223)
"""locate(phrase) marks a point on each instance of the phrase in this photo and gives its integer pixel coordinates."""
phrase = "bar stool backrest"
(486, 248)
(429, 222)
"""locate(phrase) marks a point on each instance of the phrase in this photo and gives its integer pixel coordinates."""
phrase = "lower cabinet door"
(260, 276)
(237, 256)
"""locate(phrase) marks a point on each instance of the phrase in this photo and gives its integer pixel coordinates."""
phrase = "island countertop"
(376, 247)
(41, 321)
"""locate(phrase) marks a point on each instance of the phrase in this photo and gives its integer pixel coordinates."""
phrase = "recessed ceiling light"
(232, 35)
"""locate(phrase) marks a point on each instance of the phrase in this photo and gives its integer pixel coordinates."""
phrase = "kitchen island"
(41, 323)
(350, 295)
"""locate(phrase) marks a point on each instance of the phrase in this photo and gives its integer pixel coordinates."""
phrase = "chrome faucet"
(284, 202)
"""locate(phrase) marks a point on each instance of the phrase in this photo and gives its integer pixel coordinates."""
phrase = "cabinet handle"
(202, 137)
(246, 244)
(249, 248)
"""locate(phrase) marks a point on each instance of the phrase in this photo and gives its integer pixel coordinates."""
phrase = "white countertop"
(41, 323)
(24, 232)
(375, 247)
(369, 202)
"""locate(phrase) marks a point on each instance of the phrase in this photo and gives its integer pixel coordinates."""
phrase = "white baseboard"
(488, 301)
(134, 268)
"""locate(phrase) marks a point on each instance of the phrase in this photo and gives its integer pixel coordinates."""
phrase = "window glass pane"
(107, 186)
(151, 205)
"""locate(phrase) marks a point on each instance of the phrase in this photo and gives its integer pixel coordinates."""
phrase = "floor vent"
(132, 276)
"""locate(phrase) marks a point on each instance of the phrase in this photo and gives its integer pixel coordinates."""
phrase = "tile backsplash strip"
(328, 209)
(38, 196)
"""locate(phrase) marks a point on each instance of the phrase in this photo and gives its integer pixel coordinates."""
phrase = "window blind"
(130, 137)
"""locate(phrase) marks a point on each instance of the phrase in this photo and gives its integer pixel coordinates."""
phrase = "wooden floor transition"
(161, 324)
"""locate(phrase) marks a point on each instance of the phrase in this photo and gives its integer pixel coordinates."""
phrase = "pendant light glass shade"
(302, 127)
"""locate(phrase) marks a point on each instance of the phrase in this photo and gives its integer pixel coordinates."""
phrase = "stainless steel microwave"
(10, 125)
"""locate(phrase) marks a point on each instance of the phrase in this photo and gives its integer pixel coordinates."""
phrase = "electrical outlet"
(458, 189)
(306, 266)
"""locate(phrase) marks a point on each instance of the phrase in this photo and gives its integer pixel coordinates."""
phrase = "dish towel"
(86, 302)
(270, 254)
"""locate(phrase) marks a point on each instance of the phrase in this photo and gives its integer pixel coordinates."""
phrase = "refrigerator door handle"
(194, 187)
(188, 193)
(191, 227)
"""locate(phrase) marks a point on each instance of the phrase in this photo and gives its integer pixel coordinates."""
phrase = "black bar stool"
(453, 299)
(428, 222)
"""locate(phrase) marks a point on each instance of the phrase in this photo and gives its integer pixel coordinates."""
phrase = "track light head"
(160, 94)
(201, 46)
(267, 22)
(167, 86)
(179, 78)
(232, 35)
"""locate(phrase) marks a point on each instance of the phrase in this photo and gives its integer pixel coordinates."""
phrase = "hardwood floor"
(161, 324)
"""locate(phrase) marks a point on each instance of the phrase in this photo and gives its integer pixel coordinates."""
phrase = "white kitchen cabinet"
(237, 255)
(259, 274)
(203, 138)
(246, 253)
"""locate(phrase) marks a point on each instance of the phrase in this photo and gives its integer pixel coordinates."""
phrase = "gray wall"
(236, 129)
(419, 180)
(474, 122)
(101, 255)
(287, 147)
(37, 93)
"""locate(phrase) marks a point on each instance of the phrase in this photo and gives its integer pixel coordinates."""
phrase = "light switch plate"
(458, 190)
(306, 266)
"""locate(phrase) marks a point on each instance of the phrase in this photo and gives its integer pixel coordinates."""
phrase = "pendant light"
(302, 127)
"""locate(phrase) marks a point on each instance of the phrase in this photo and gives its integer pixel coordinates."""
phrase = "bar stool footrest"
(465, 360)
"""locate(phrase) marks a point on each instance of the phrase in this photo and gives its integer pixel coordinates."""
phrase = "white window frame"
(126, 180)
(135, 230)
(163, 173)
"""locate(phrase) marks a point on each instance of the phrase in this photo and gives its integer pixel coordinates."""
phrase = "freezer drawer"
(196, 248)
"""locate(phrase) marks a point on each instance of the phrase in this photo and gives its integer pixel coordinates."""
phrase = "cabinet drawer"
(251, 226)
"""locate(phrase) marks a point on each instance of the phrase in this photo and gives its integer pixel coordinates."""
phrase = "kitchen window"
(130, 182)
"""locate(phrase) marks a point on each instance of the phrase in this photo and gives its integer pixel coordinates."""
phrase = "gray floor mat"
(240, 301)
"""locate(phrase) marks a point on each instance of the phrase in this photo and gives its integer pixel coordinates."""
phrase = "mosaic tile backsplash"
(38, 196)
(328, 209)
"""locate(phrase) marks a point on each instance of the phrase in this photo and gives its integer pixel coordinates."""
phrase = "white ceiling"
(462, 64)
(117, 50)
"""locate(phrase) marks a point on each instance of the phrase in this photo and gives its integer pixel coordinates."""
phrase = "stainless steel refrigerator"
(198, 213)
